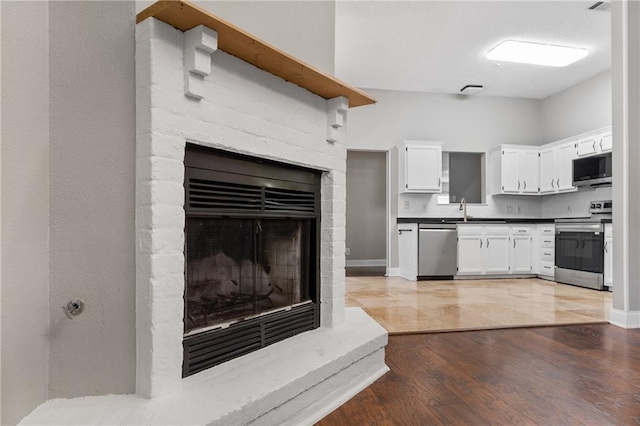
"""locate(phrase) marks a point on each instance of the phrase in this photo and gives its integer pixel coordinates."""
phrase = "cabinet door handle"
(525, 185)
(400, 231)
(577, 243)
(552, 184)
(605, 247)
(558, 183)
(518, 185)
(594, 146)
(487, 243)
(480, 242)
(601, 145)
(514, 243)
(439, 182)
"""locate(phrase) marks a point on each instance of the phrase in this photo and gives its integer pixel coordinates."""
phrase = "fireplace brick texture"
(243, 110)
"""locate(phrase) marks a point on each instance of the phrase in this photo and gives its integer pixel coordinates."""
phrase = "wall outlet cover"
(347, 251)
(407, 205)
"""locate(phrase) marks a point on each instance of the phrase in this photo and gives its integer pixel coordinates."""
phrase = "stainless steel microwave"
(594, 170)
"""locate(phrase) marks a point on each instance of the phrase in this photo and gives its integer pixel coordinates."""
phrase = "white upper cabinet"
(514, 171)
(556, 168)
(566, 155)
(420, 167)
(528, 171)
(605, 141)
(510, 178)
(548, 170)
(544, 170)
(586, 146)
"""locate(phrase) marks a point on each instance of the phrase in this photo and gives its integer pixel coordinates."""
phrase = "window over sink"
(463, 176)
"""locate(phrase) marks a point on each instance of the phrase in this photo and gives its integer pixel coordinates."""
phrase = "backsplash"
(573, 204)
(426, 205)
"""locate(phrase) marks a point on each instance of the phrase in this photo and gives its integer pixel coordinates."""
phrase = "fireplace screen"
(252, 258)
(241, 268)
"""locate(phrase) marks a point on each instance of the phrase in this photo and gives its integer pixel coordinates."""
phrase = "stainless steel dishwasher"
(437, 250)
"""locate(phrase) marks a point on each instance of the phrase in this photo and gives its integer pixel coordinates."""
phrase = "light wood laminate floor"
(402, 306)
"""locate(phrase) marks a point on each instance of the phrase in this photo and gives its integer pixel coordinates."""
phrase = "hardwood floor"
(574, 375)
(402, 306)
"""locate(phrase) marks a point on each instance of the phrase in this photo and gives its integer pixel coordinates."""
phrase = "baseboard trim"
(624, 319)
(393, 272)
(366, 262)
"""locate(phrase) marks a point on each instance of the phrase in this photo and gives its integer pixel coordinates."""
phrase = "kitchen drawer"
(469, 230)
(520, 230)
(547, 255)
(548, 269)
(548, 242)
(547, 231)
(496, 230)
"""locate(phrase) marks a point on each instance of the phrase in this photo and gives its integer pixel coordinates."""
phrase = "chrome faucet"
(463, 207)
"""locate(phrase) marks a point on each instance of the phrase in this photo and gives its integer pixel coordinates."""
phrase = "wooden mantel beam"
(184, 16)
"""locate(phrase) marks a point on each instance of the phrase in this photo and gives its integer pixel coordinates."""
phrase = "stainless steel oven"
(580, 253)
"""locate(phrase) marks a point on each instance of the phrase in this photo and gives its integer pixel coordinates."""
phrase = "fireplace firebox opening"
(251, 255)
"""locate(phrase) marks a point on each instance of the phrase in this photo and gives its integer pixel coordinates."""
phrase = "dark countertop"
(480, 220)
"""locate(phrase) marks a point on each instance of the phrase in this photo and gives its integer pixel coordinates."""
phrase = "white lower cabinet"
(546, 259)
(470, 250)
(494, 250)
(497, 252)
(608, 255)
(521, 251)
(408, 250)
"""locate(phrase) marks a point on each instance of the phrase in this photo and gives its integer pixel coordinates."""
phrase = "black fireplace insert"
(251, 255)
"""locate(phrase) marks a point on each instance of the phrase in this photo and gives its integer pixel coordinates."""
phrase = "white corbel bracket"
(336, 113)
(199, 43)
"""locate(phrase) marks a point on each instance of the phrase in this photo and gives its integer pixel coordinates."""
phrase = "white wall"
(366, 206)
(465, 123)
(92, 171)
(304, 29)
(25, 203)
(578, 109)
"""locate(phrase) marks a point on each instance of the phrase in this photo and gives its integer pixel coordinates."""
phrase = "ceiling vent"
(601, 6)
(471, 89)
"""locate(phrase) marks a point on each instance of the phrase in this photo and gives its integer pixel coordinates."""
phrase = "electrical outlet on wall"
(407, 205)
(347, 251)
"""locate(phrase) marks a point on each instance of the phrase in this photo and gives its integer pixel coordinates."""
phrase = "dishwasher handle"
(400, 231)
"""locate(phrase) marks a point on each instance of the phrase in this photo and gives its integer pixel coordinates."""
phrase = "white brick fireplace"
(189, 92)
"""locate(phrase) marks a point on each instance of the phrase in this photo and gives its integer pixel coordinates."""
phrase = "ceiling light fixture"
(526, 52)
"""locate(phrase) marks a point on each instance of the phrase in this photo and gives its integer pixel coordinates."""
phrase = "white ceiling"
(440, 46)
